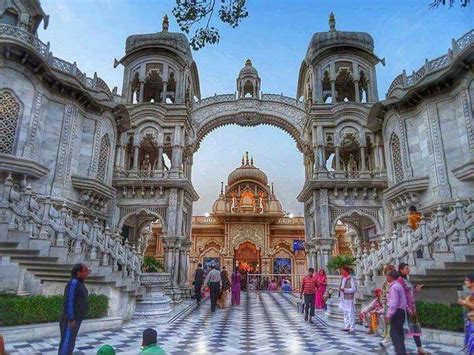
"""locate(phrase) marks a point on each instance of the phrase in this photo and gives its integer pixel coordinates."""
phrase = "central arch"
(275, 110)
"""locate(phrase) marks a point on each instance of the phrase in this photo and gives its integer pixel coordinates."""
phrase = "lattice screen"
(396, 158)
(103, 158)
(9, 115)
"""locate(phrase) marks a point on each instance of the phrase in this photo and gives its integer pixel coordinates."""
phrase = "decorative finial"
(272, 189)
(222, 187)
(248, 62)
(332, 22)
(166, 23)
(246, 158)
(243, 160)
(251, 161)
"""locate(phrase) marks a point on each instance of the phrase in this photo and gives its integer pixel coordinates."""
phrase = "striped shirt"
(308, 285)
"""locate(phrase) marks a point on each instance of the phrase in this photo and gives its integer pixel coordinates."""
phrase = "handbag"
(414, 327)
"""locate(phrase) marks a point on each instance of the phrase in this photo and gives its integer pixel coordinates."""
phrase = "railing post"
(45, 220)
(93, 239)
(442, 242)
(79, 237)
(62, 226)
(424, 238)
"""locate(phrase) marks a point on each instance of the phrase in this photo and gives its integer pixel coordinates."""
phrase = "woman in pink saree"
(321, 282)
(236, 278)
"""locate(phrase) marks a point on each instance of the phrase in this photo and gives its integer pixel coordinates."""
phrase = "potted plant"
(151, 264)
(339, 261)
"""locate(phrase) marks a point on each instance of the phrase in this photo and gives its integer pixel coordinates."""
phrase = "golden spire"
(166, 23)
(332, 22)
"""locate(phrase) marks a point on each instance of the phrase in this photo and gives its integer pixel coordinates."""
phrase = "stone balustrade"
(442, 233)
(82, 238)
(43, 50)
(404, 81)
(233, 97)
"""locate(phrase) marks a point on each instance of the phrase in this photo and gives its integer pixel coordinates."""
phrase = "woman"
(272, 287)
(225, 288)
(321, 282)
(468, 302)
(413, 324)
(236, 278)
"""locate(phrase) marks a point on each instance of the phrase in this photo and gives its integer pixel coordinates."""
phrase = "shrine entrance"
(247, 258)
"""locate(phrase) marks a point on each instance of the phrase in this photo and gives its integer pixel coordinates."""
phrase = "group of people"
(219, 285)
(313, 288)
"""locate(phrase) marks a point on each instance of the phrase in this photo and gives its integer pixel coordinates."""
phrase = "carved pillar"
(333, 91)
(356, 87)
(338, 158)
(362, 159)
(142, 90)
(136, 150)
(123, 149)
(118, 155)
(159, 166)
(165, 92)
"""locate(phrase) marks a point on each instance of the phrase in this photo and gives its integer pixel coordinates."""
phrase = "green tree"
(202, 13)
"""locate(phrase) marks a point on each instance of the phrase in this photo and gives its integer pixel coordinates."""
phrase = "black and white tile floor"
(263, 324)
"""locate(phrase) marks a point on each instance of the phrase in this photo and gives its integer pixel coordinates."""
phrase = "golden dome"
(247, 171)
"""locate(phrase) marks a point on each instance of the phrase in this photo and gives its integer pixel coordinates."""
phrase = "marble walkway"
(262, 324)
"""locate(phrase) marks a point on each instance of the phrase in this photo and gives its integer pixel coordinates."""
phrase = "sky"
(275, 37)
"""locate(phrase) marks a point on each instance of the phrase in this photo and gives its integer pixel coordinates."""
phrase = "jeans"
(396, 331)
(197, 290)
(308, 305)
(215, 287)
(68, 336)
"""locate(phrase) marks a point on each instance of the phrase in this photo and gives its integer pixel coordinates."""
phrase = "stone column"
(123, 149)
(118, 155)
(142, 90)
(356, 87)
(159, 166)
(381, 157)
(338, 158)
(136, 150)
(376, 157)
(165, 92)
(362, 159)
(333, 91)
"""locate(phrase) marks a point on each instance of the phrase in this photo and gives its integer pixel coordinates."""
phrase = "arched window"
(153, 87)
(397, 164)
(9, 115)
(9, 17)
(104, 152)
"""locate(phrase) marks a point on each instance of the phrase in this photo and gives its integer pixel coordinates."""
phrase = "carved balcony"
(406, 193)
(94, 194)
(465, 172)
(22, 166)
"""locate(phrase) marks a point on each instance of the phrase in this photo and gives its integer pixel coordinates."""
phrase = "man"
(75, 307)
(396, 307)
(308, 288)
(198, 281)
(150, 341)
(213, 281)
(347, 289)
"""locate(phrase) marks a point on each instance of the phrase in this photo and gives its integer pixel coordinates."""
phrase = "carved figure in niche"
(351, 165)
(146, 163)
(247, 201)
(234, 206)
(260, 201)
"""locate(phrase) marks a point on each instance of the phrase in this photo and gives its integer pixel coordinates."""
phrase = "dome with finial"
(172, 41)
(247, 171)
(248, 69)
(321, 41)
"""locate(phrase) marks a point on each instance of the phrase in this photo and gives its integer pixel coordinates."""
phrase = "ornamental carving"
(9, 115)
(254, 233)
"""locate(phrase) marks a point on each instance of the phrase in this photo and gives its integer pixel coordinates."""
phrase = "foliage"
(18, 310)
(150, 264)
(440, 316)
(194, 12)
(339, 261)
(437, 3)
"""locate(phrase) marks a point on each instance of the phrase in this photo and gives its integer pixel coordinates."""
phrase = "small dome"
(248, 69)
(334, 38)
(247, 171)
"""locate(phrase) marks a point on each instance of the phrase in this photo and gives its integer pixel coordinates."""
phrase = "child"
(370, 314)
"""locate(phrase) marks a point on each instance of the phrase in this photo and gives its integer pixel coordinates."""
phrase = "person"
(347, 289)
(321, 283)
(236, 278)
(396, 307)
(75, 307)
(213, 281)
(370, 314)
(222, 300)
(198, 281)
(468, 303)
(286, 287)
(308, 288)
(413, 324)
(386, 332)
(272, 286)
(106, 350)
(149, 343)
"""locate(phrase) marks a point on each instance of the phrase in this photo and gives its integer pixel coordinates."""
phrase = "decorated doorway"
(247, 258)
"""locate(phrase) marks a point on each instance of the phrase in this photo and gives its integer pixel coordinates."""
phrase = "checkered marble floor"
(266, 323)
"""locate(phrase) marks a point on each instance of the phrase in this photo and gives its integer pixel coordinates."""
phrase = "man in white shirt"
(347, 289)
(213, 281)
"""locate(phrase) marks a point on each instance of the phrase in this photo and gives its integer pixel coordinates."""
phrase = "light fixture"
(291, 215)
(206, 214)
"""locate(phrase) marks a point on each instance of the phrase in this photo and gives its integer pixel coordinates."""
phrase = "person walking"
(222, 299)
(198, 281)
(236, 279)
(75, 307)
(397, 305)
(213, 281)
(413, 324)
(468, 303)
(386, 333)
(308, 288)
(347, 289)
(150, 343)
(321, 284)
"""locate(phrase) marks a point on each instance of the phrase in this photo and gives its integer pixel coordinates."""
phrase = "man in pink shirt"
(396, 307)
